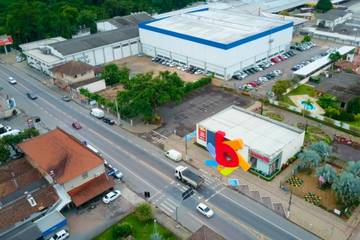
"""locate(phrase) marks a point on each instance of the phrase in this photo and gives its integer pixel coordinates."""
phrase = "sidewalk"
(314, 219)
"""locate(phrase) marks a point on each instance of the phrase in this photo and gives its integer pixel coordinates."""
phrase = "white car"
(111, 196)
(277, 72)
(60, 235)
(262, 79)
(117, 173)
(12, 81)
(205, 210)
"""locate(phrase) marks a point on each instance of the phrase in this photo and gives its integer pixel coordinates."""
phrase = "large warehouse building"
(216, 41)
(270, 143)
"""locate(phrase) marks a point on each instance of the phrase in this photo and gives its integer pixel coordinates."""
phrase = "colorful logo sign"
(225, 153)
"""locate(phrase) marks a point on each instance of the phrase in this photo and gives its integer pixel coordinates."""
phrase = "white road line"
(264, 219)
(166, 208)
(170, 202)
(217, 192)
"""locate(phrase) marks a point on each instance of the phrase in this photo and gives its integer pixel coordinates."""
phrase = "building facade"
(268, 143)
(220, 42)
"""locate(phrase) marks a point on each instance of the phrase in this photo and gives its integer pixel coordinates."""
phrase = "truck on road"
(188, 177)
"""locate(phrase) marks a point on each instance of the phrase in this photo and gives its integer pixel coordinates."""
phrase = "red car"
(253, 84)
(76, 125)
(281, 57)
(275, 60)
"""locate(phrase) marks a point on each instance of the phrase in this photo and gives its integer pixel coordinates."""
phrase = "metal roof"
(259, 133)
(92, 41)
(332, 14)
(133, 19)
(321, 62)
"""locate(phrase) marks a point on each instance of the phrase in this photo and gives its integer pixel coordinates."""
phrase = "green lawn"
(142, 231)
(301, 90)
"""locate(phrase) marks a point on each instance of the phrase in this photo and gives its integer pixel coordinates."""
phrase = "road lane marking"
(214, 194)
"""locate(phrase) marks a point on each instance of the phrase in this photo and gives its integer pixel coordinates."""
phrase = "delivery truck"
(188, 177)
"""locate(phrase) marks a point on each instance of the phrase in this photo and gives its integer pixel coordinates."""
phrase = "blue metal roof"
(145, 25)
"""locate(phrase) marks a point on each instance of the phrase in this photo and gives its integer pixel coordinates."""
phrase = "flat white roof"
(217, 25)
(48, 59)
(321, 62)
(259, 133)
(40, 43)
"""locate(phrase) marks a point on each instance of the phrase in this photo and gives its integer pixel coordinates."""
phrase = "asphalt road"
(146, 169)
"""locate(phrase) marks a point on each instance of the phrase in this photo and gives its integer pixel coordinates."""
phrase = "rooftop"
(205, 233)
(72, 68)
(85, 82)
(21, 209)
(96, 40)
(332, 14)
(60, 155)
(259, 133)
(343, 85)
(219, 26)
(39, 43)
(133, 19)
(46, 58)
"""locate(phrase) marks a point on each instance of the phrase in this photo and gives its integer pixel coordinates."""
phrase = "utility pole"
(288, 210)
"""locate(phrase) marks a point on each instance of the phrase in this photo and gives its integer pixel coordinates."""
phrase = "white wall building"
(216, 41)
(332, 18)
(269, 143)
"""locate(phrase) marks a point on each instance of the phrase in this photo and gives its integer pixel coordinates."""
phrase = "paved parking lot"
(284, 66)
(197, 106)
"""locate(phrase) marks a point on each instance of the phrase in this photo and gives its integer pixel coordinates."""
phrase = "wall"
(71, 79)
(94, 87)
(292, 148)
(95, 172)
(226, 61)
(108, 53)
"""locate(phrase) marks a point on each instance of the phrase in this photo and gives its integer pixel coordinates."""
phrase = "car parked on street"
(66, 98)
(60, 235)
(205, 210)
(111, 196)
(108, 121)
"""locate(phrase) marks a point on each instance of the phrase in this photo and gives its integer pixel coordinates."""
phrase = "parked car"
(114, 172)
(31, 96)
(205, 210)
(60, 235)
(277, 72)
(66, 98)
(262, 79)
(111, 196)
(282, 58)
(274, 60)
(108, 121)
(76, 125)
(253, 84)
(174, 155)
(12, 81)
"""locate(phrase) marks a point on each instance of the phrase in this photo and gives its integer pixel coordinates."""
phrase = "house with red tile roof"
(64, 160)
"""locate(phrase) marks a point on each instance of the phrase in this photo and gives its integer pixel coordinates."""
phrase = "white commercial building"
(216, 41)
(270, 143)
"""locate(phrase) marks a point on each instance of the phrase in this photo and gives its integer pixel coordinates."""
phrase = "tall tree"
(347, 188)
(353, 105)
(323, 5)
(308, 159)
(354, 168)
(328, 174)
(322, 148)
(280, 87)
(4, 153)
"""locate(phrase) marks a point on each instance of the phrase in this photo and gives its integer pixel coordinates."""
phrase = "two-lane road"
(146, 169)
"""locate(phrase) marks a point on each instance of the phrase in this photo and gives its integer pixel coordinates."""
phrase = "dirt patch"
(138, 65)
(310, 184)
(111, 92)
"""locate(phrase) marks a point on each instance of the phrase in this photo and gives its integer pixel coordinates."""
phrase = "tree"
(280, 87)
(335, 56)
(322, 148)
(111, 74)
(323, 5)
(144, 212)
(327, 100)
(354, 168)
(353, 106)
(347, 188)
(308, 159)
(122, 230)
(307, 38)
(4, 153)
(328, 174)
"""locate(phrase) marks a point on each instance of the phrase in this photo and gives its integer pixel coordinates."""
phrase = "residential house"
(332, 18)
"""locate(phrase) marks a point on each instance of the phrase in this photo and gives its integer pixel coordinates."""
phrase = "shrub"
(345, 116)
(315, 79)
(122, 230)
(144, 212)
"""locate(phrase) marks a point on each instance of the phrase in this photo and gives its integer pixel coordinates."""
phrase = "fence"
(328, 121)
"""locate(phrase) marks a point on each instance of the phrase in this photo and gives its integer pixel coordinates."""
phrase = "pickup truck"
(188, 177)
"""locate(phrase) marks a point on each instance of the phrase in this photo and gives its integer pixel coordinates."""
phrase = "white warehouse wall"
(246, 54)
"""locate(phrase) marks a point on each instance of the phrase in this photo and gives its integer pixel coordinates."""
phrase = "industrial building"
(94, 49)
(217, 41)
(269, 144)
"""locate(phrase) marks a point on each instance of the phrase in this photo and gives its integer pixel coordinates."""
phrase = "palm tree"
(334, 57)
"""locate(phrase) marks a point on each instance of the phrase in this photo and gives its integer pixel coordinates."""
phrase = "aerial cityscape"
(179, 119)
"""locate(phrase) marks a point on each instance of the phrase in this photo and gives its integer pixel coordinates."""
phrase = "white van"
(97, 112)
(174, 155)
(13, 132)
(92, 148)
